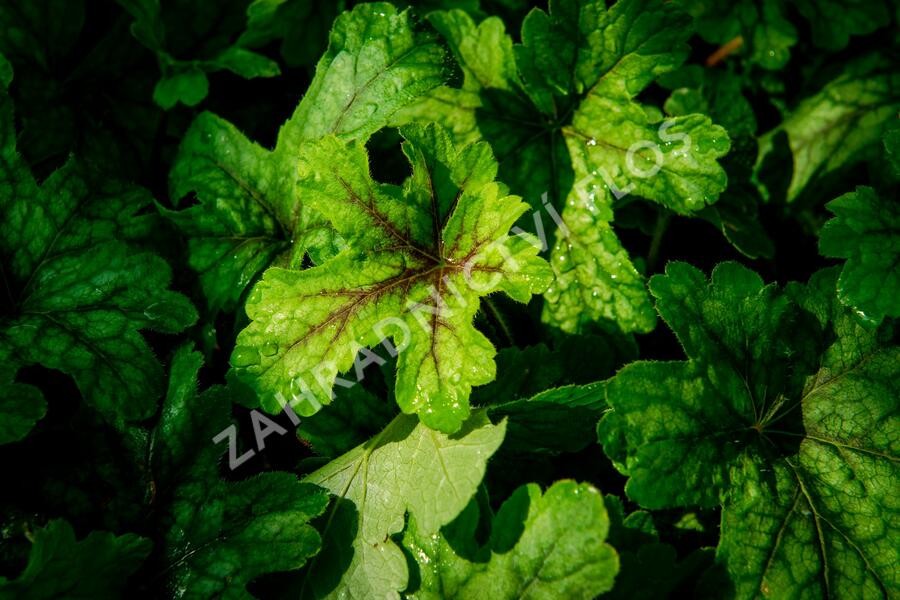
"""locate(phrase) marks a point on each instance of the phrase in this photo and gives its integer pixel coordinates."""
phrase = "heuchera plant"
(450, 300)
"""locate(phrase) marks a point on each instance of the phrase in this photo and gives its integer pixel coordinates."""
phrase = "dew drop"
(244, 356)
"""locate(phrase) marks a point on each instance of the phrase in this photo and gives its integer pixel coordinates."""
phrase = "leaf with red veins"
(419, 258)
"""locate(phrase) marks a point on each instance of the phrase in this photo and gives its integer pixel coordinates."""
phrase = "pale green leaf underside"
(408, 468)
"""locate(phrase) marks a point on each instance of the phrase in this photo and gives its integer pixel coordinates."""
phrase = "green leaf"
(28, 32)
(523, 372)
(251, 214)
(825, 519)
(533, 551)
(719, 95)
(865, 231)
(184, 79)
(892, 149)
(556, 420)
(835, 128)
(420, 257)
(351, 419)
(221, 535)
(834, 21)
(648, 568)
(676, 428)
(802, 459)
(70, 90)
(270, 20)
(188, 86)
(573, 360)
(406, 468)
(377, 62)
(765, 32)
(6, 72)
(246, 64)
(21, 405)
(76, 293)
(713, 92)
(58, 563)
(248, 528)
(234, 232)
(560, 112)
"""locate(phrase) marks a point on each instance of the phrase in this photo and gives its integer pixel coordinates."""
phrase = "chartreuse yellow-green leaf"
(419, 258)
(832, 129)
(76, 291)
(787, 415)
(406, 469)
(561, 113)
(250, 212)
(542, 546)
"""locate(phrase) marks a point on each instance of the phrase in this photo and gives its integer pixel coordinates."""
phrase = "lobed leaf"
(221, 535)
(832, 129)
(251, 213)
(406, 468)
(559, 110)
(533, 552)
(77, 293)
(185, 80)
(865, 231)
(803, 457)
(57, 564)
(420, 257)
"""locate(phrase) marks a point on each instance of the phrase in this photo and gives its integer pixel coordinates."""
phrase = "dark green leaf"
(58, 565)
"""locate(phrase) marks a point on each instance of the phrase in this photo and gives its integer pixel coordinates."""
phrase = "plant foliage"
(429, 299)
